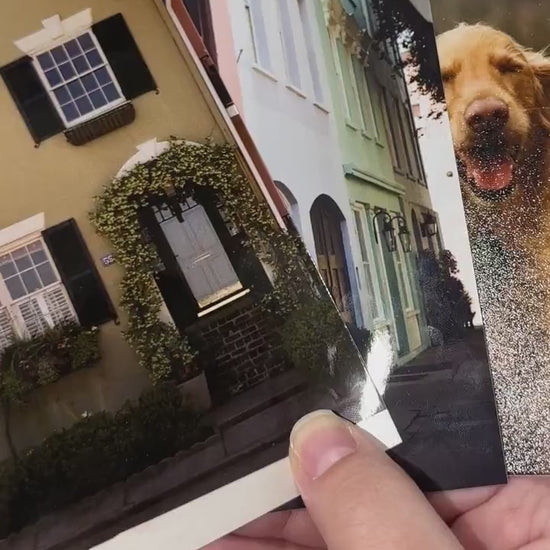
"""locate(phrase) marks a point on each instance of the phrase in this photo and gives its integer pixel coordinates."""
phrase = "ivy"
(161, 347)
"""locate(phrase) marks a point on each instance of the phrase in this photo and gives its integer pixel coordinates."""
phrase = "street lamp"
(389, 231)
(429, 226)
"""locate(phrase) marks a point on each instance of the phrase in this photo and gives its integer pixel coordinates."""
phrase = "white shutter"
(45, 310)
(6, 328)
(59, 306)
(34, 320)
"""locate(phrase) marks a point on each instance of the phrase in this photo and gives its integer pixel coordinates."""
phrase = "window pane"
(15, 288)
(86, 42)
(102, 76)
(47, 274)
(59, 54)
(62, 95)
(111, 92)
(45, 60)
(22, 259)
(94, 58)
(70, 111)
(53, 77)
(76, 89)
(37, 252)
(289, 46)
(260, 34)
(31, 280)
(84, 105)
(98, 99)
(89, 82)
(67, 71)
(80, 64)
(72, 47)
(7, 267)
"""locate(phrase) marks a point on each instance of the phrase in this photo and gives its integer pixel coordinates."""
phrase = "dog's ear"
(540, 64)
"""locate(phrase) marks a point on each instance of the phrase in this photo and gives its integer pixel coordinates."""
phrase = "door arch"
(326, 222)
(291, 204)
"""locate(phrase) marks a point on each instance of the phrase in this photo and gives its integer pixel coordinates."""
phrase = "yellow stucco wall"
(60, 180)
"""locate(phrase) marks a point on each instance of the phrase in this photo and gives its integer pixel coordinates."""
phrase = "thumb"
(357, 496)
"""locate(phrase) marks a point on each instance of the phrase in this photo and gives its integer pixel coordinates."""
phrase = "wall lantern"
(388, 231)
(429, 226)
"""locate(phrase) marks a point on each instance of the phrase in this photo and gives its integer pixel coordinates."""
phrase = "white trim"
(55, 32)
(96, 111)
(25, 229)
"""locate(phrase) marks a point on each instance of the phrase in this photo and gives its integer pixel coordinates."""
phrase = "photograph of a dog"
(497, 93)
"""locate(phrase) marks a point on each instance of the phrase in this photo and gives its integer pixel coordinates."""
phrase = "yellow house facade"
(89, 92)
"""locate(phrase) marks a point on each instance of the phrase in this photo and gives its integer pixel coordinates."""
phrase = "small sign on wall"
(107, 260)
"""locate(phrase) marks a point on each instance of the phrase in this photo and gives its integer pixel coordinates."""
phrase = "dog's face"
(495, 93)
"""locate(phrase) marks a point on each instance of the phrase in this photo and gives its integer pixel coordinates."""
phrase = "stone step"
(257, 399)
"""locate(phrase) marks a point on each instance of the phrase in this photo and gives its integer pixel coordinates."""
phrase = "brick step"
(261, 397)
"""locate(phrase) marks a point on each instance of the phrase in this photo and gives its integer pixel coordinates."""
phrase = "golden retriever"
(497, 94)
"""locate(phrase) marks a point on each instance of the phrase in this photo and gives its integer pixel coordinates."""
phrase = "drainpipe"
(211, 69)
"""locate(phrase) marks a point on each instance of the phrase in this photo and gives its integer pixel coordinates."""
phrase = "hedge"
(95, 453)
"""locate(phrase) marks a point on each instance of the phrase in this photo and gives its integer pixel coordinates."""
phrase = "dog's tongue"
(491, 175)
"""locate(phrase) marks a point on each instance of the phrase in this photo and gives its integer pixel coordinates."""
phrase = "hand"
(359, 499)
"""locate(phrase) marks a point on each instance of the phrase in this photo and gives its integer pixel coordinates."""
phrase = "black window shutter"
(32, 99)
(78, 273)
(123, 55)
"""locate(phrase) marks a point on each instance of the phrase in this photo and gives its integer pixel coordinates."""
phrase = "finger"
(452, 504)
(516, 516)
(234, 542)
(358, 498)
(293, 526)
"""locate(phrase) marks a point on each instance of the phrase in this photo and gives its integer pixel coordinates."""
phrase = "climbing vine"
(161, 348)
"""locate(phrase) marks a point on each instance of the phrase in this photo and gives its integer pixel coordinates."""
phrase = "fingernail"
(318, 441)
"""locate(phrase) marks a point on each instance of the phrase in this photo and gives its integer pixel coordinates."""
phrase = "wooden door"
(331, 257)
(200, 255)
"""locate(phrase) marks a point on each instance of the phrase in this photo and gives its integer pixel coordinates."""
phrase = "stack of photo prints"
(217, 216)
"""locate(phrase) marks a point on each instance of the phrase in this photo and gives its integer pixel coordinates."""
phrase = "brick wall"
(239, 348)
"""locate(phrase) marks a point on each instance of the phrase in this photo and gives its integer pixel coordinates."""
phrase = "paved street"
(442, 404)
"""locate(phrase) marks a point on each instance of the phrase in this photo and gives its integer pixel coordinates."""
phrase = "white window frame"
(289, 45)
(96, 112)
(368, 119)
(11, 305)
(351, 117)
(267, 63)
(309, 39)
(56, 32)
(369, 267)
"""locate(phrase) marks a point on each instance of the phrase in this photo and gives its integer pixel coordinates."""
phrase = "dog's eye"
(447, 76)
(508, 66)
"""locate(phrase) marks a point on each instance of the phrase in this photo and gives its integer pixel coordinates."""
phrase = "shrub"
(30, 363)
(94, 453)
(316, 341)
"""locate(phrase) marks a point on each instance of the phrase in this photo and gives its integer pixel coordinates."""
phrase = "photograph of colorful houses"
(169, 170)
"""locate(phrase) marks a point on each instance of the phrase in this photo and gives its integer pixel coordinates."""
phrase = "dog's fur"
(479, 62)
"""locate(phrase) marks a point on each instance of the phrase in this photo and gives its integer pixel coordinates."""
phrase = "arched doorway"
(326, 222)
(291, 204)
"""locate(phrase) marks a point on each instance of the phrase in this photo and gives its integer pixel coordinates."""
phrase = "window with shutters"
(79, 79)
(32, 296)
(86, 75)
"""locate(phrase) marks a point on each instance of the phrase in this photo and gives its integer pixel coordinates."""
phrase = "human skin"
(358, 499)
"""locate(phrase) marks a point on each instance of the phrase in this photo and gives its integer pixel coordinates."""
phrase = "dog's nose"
(487, 115)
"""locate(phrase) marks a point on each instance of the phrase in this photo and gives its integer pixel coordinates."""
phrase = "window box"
(101, 125)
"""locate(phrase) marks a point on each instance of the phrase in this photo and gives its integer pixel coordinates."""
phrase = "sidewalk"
(442, 403)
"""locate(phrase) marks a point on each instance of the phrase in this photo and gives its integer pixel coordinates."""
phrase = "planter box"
(196, 390)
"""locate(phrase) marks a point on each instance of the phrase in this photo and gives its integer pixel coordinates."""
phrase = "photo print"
(219, 216)
(498, 104)
(162, 325)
